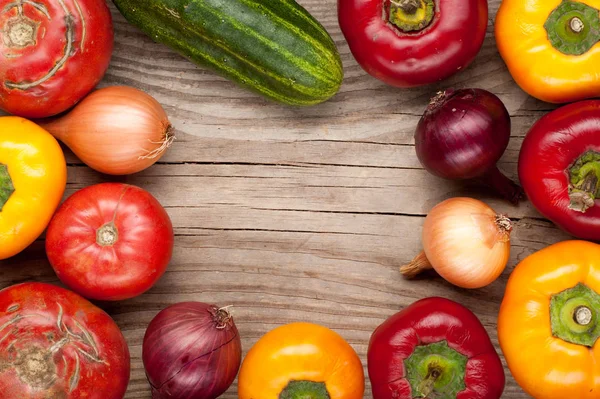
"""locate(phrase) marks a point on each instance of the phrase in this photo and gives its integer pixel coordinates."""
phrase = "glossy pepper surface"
(559, 167)
(409, 43)
(551, 47)
(549, 322)
(301, 360)
(434, 348)
(33, 176)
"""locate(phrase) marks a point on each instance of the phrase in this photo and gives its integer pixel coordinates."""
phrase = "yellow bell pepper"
(551, 47)
(301, 360)
(33, 177)
(549, 322)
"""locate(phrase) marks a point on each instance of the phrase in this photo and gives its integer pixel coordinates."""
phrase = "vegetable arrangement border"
(114, 241)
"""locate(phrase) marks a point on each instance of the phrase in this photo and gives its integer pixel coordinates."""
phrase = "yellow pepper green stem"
(304, 390)
(574, 315)
(573, 27)
(6, 186)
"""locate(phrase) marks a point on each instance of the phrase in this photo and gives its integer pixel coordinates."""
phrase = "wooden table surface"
(298, 214)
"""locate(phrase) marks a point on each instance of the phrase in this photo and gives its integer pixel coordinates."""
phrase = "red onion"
(191, 350)
(462, 135)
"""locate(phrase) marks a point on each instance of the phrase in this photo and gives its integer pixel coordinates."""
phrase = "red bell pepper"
(434, 348)
(559, 167)
(408, 43)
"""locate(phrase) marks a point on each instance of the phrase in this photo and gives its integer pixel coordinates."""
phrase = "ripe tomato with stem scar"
(55, 344)
(110, 241)
(52, 53)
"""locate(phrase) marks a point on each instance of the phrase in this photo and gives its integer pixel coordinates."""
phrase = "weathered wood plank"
(298, 214)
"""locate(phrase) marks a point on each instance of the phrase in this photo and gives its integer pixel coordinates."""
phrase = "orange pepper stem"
(584, 178)
(411, 15)
(583, 315)
(6, 186)
(573, 28)
(574, 315)
(304, 390)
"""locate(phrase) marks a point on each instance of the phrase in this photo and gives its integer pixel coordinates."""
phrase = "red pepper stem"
(436, 370)
(418, 265)
(496, 180)
(408, 6)
(427, 385)
(411, 15)
(584, 179)
(583, 198)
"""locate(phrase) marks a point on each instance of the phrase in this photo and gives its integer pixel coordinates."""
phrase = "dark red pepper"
(434, 348)
(559, 167)
(408, 43)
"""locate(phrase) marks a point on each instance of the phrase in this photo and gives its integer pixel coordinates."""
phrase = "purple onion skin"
(191, 350)
(462, 135)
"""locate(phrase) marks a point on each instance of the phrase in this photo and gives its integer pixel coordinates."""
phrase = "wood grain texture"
(298, 214)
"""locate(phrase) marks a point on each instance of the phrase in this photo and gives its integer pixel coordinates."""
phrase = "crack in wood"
(355, 142)
(281, 231)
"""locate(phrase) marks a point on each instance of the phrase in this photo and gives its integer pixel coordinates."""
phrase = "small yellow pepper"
(549, 322)
(551, 47)
(33, 176)
(301, 360)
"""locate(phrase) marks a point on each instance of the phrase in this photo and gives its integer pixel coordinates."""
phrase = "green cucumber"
(273, 47)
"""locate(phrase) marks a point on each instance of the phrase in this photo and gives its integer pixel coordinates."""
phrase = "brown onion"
(116, 130)
(191, 350)
(465, 241)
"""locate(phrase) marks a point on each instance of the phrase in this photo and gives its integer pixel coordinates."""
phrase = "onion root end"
(164, 144)
(419, 264)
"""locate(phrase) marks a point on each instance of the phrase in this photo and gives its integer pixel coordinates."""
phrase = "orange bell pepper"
(549, 322)
(301, 360)
(551, 47)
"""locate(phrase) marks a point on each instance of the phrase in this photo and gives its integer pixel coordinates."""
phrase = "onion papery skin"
(116, 130)
(465, 242)
(191, 350)
(462, 135)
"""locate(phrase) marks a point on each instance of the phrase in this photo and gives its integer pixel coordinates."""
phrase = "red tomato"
(110, 241)
(55, 344)
(52, 53)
